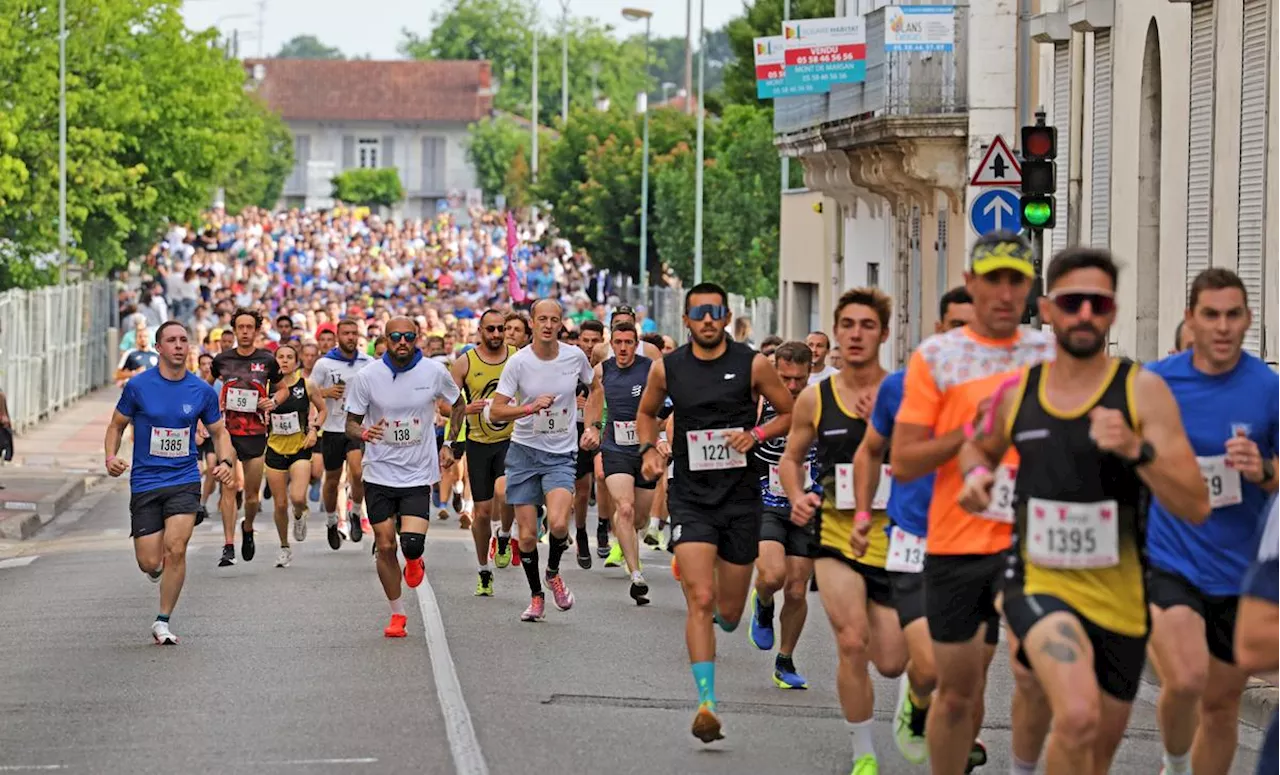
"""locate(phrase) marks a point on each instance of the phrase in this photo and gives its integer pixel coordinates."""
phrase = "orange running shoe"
(396, 628)
(414, 572)
(675, 569)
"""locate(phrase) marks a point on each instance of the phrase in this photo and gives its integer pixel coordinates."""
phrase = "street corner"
(31, 498)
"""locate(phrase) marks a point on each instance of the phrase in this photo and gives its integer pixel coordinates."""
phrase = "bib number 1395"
(709, 450)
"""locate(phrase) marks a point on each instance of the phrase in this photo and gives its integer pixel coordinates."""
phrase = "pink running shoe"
(537, 610)
(560, 593)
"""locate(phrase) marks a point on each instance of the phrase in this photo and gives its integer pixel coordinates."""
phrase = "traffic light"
(1038, 206)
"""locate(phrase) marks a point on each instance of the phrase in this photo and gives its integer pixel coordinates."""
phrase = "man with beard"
(1074, 591)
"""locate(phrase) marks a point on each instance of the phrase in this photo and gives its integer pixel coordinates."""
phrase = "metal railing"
(53, 347)
(666, 308)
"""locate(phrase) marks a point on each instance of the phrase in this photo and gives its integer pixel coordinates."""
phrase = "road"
(286, 671)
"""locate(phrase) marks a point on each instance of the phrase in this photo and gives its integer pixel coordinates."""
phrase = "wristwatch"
(599, 425)
(227, 463)
(645, 448)
(1146, 454)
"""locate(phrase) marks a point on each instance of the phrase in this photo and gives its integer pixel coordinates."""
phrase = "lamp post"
(62, 139)
(702, 120)
(634, 15)
(533, 109)
(564, 64)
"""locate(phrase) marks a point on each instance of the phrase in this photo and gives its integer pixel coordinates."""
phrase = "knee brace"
(413, 545)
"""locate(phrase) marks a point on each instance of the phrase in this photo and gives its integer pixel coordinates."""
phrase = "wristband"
(969, 430)
(758, 434)
(976, 470)
(110, 458)
(862, 516)
(528, 409)
(364, 434)
(226, 463)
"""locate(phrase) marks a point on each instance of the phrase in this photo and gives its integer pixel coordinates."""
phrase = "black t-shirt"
(141, 359)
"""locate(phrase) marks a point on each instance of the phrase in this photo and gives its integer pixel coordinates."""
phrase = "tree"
(493, 146)
(307, 47)
(761, 19)
(370, 187)
(668, 63)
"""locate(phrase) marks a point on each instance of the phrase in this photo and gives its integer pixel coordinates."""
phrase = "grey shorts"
(776, 525)
(532, 473)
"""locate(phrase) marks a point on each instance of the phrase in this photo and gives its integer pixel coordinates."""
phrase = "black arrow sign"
(998, 166)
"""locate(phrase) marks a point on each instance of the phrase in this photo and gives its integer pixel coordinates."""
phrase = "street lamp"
(635, 15)
(702, 120)
(62, 139)
(564, 64)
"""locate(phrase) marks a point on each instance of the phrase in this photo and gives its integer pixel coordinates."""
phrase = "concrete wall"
(805, 254)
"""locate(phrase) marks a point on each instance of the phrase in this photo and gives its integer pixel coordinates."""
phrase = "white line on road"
(467, 757)
(18, 562)
(29, 767)
(113, 531)
(324, 761)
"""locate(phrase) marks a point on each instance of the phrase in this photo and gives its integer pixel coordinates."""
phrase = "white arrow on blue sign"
(995, 209)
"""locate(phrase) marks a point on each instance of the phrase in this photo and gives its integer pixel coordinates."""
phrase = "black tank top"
(839, 433)
(707, 395)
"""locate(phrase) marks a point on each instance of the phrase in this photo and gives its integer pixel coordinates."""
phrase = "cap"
(1012, 252)
(622, 309)
(326, 327)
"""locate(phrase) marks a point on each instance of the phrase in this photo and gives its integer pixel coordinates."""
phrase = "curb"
(24, 520)
(1257, 705)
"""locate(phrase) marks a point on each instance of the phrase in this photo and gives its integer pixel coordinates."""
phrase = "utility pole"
(564, 64)
(688, 55)
(786, 160)
(533, 108)
(702, 120)
(62, 141)
(262, 25)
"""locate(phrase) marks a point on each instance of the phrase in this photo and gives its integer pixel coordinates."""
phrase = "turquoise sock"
(704, 675)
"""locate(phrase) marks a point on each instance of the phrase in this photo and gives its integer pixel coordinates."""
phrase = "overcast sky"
(373, 26)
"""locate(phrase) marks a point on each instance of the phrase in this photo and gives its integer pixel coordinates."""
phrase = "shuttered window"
(941, 249)
(1251, 212)
(917, 277)
(1100, 175)
(388, 151)
(433, 165)
(1200, 142)
(1062, 120)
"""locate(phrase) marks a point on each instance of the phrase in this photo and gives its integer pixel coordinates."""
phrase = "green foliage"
(761, 19)
(370, 187)
(308, 47)
(668, 62)
(493, 147)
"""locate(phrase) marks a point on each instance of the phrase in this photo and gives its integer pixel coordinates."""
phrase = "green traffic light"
(1037, 214)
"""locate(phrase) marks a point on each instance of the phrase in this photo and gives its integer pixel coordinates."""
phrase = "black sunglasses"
(398, 336)
(1072, 301)
(716, 311)
(494, 329)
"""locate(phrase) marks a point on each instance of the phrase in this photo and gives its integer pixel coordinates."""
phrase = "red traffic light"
(1039, 143)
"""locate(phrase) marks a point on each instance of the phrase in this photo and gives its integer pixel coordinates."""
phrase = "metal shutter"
(917, 276)
(1062, 120)
(348, 152)
(1200, 142)
(433, 158)
(1251, 211)
(388, 151)
(1100, 173)
(941, 250)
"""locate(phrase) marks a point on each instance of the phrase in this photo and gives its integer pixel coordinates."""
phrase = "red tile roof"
(360, 90)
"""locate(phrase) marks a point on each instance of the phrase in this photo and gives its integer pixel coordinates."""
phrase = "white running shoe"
(154, 578)
(163, 637)
(300, 525)
(344, 532)
(284, 558)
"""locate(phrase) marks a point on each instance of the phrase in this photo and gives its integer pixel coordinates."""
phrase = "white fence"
(53, 347)
(666, 309)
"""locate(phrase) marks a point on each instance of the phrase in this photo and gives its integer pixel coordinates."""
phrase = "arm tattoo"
(1069, 632)
(1059, 651)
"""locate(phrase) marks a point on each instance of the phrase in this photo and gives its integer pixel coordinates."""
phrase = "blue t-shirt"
(908, 501)
(153, 402)
(1214, 556)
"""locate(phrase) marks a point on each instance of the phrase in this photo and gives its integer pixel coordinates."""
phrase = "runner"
(1257, 642)
(330, 376)
(517, 330)
(397, 395)
(714, 498)
(852, 545)
(541, 461)
(245, 373)
(786, 549)
(309, 354)
(477, 374)
(620, 380)
(908, 510)
(820, 345)
(947, 377)
(204, 442)
(289, 448)
(1227, 401)
(164, 405)
(1074, 592)
(590, 336)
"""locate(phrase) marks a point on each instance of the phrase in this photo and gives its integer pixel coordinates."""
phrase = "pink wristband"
(758, 434)
(862, 516)
(528, 409)
(110, 458)
(976, 470)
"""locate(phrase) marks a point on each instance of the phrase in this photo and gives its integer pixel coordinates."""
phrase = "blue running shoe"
(788, 678)
(314, 493)
(761, 631)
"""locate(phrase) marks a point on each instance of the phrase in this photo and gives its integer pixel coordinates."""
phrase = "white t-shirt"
(527, 376)
(329, 372)
(827, 371)
(406, 454)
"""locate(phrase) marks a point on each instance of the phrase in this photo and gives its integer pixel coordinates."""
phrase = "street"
(288, 671)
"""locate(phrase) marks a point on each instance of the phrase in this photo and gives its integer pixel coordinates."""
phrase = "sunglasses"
(402, 336)
(1072, 301)
(494, 329)
(716, 311)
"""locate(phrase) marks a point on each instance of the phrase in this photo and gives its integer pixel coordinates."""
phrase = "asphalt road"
(287, 671)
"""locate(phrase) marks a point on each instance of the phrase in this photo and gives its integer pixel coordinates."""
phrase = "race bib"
(624, 434)
(242, 400)
(880, 501)
(671, 470)
(1001, 507)
(906, 552)
(553, 420)
(1073, 535)
(709, 450)
(403, 433)
(285, 424)
(1223, 482)
(775, 482)
(170, 442)
(844, 487)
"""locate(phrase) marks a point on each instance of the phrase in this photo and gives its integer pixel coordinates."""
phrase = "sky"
(373, 27)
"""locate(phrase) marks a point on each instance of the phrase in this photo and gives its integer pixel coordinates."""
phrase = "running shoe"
(584, 553)
(396, 628)
(313, 494)
(761, 629)
(154, 576)
(977, 756)
(300, 525)
(484, 585)
(344, 529)
(602, 540)
(284, 558)
(615, 559)
(653, 537)
(247, 547)
(865, 764)
(788, 678)
(537, 610)
(514, 550)
(162, 635)
(333, 532)
(457, 497)
(706, 725)
(365, 527)
(639, 589)
(560, 594)
(908, 726)
(228, 556)
(414, 572)
(542, 529)
(464, 520)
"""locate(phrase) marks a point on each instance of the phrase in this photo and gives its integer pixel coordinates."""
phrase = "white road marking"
(18, 562)
(324, 761)
(467, 757)
(113, 531)
(30, 767)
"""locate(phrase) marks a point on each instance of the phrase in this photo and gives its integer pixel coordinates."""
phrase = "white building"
(404, 114)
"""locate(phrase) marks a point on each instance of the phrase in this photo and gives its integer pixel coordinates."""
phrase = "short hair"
(242, 311)
(957, 295)
(772, 340)
(592, 325)
(874, 298)
(524, 321)
(1072, 259)
(348, 322)
(284, 317)
(620, 327)
(288, 346)
(1177, 335)
(1215, 279)
(492, 311)
(822, 334)
(166, 324)
(434, 338)
(202, 356)
(654, 339)
(706, 288)
(794, 352)
(381, 340)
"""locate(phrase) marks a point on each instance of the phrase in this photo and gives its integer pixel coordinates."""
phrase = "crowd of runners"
(1106, 511)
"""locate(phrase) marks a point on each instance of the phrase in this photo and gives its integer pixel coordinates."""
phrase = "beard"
(1082, 350)
(705, 340)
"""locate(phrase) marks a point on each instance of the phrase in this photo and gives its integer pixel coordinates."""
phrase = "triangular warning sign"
(998, 167)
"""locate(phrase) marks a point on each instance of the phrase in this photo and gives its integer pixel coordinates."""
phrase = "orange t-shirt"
(948, 376)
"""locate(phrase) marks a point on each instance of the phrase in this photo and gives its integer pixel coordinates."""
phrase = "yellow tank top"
(482, 382)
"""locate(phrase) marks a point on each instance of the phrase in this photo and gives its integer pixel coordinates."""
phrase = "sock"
(1019, 767)
(860, 737)
(485, 567)
(504, 538)
(530, 564)
(331, 516)
(765, 603)
(704, 677)
(1177, 765)
(557, 548)
(580, 535)
(469, 506)
(162, 618)
(654, 524)
(784, 663)
(397, 607)
(916, 700)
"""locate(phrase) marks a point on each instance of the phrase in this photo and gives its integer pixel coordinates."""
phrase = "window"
(873, 275)
(368, 151)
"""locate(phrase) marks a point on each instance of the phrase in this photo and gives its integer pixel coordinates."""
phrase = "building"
(404, 114)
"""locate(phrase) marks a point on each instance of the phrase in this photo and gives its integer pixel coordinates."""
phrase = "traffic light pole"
(1037, 247)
